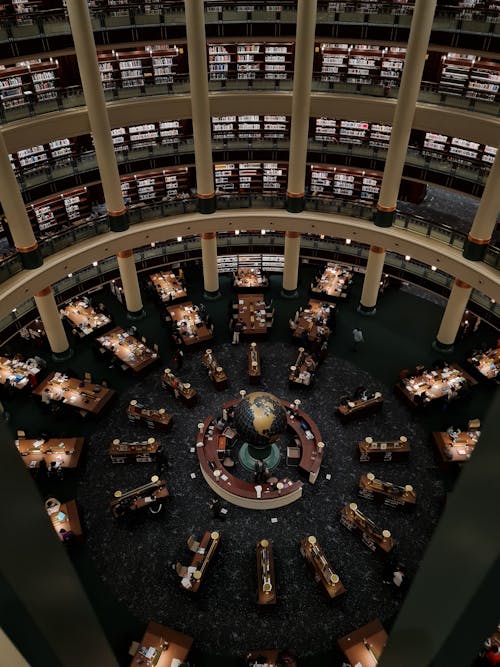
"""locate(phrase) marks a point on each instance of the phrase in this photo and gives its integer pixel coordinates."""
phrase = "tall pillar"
(200, 106)
(209, 260)
(130, 284)
(41, 579)
(371, 284)
(15, 212)
(416, 52)
(10, 653)
(291, 267)
(83, 38)
(454, 311)
(301, 104)
(486, 216)
(49, 314)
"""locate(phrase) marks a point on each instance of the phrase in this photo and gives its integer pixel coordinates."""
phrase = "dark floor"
(126, 568)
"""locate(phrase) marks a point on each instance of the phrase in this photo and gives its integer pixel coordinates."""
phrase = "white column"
(291, 267)
(371, 284)
(209, 260)
(130, 283)
(49, 314)
(454, 311)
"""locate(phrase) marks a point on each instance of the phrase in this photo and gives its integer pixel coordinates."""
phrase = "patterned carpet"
(135, 560)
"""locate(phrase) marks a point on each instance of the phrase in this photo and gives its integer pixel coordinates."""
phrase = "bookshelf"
(226, 177)
(359, 63)
(364, 64)
(48, 215)
(266, 263)
(157, 185)
(276, 127)
(224, 127)
(250, 60)
(159, 64)
(333, 61)
(250, 177)
(143, 135)
(221, 59)
(454, 76)
(353, 132)
(250, 127)
(334, 182)
(274, 178)
(278, 61)
(35, 79)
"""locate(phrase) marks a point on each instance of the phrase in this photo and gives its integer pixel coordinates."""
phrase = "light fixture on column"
(179, 239)
(236, 232)
(433, 268)
(348, 241)
(408, 258)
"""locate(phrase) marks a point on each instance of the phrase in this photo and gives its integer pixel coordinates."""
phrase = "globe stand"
(249, 455)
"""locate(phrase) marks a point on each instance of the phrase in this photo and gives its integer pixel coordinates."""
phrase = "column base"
(366, 310)
(289, 293)
(63, 356)
(136, 314)
(212, 296)
(32, 259)
(295, 204)
(119, 223)
(207, 205)
(476, 252)
(442, 347)
(384, 218)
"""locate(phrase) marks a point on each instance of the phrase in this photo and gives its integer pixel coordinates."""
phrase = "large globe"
(260, 419)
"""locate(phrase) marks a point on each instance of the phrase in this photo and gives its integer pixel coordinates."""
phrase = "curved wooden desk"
(242, 493)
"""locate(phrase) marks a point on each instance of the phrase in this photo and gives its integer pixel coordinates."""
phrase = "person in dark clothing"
(178, 358)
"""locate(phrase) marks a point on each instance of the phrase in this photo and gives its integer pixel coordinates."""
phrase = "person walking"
(236, 332)
(357, 336)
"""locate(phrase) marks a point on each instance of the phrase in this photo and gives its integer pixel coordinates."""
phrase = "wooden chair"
(21, 434)
(293, 455)
(181, 570)
(192, 544)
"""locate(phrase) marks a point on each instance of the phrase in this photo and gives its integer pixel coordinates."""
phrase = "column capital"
(378, 250)
(118, 220)
(123, 254)
(207, 236)
(384, 216)
(292, 235)
(475, 248)
(207, 204)
(462, 283)
(44, 292)
(31, 257)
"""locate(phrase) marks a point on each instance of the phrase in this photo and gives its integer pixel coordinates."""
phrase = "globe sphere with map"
(260, 419)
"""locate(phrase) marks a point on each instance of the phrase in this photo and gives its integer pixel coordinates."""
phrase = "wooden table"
(84, 318)
(270, 656)
(167, 644)
(191, 327)
(181, 390)
(168, 286)
(128, 350)
(134, 452)
(64, 516)
(303, 370)
(139, 498)
(386, 493)
(250, 279)
(321, 568)
(365, 645)
(333, 283)
(432, 385)
(199, 563)
(254, 364)
(252, 313)
(456, 449)
(359, 407)
(87, 397)
(487, 364)
(372, 536)
(154, 419)
(308, 320)
(215, 371)
(64, 451)
(266, 578)
(15, 373)
(389, 450)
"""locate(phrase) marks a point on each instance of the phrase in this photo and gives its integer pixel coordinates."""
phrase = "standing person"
(236, 332)
(178, 358)
(357, 336)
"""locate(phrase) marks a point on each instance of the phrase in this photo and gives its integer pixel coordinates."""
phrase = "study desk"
(303, 369)
(191, 327)
(270, 656)
(457, 449)
(365, 645)
(140, 497)
(321, 568)
(199, 563)
(128, 350)
(64, 516)
(87, 397)
(215, 371)
(64, 451)
(252, 313)
(391, 495)
(372, 536)
(333, 283)
(313, 320)
(167, 645)
(249, 279)
(254, 365)
(181, 390)
(435, 384)
(84, 318)
(487, 363)
(389, 450)
(134, 452)
(360, 407)
(168, 286)
(154, 419)
(16, 373)
(266, 578)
